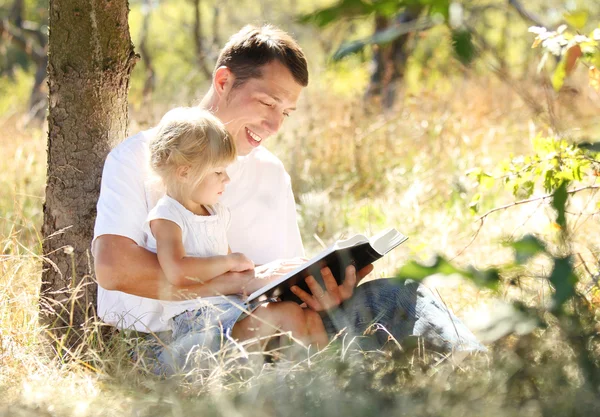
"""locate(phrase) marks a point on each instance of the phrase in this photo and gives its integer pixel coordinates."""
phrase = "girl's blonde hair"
(189, 136)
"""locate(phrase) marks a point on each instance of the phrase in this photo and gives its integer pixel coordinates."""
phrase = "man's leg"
(403, 308)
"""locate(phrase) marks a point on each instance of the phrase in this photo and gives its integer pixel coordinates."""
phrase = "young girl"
(187, 230)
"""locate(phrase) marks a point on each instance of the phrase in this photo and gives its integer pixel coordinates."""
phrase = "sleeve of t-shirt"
(163, 211)
(121, 208)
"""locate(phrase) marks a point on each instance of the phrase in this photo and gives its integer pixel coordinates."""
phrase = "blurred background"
(424, 115)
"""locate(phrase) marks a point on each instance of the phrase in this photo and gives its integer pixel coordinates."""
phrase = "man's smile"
(253, 138)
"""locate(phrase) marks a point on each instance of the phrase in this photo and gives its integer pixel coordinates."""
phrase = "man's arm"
(122, 265)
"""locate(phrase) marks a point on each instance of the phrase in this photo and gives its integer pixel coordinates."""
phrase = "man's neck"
(209, 101)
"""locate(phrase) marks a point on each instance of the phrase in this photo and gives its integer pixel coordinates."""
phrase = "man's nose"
(273, 122)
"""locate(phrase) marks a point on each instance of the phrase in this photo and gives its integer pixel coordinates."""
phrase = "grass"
(353, 170)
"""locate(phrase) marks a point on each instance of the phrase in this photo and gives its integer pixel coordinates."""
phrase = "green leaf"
(593, 147)
(474, 204)
(413, 270)
(563, 279)
(349, 48)
(549, 180)
(463, 46)
(344, 8)
(438, 7)
(418, 272)
(560, 73)
(526, 248)
(508, 319)
(524, 189)
(486, 181)
(352, 8)
(488, 278)
(577, 19)
(559, 200)
(382, 37)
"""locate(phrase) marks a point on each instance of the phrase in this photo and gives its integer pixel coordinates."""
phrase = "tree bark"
(90, 62)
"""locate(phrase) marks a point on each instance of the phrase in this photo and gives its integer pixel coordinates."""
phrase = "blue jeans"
(400, 309)
(195, 340)
(388, 307)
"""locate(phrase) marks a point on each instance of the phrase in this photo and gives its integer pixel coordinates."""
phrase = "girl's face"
(208, 191)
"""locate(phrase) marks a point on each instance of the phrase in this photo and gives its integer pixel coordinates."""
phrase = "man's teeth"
(254, 135)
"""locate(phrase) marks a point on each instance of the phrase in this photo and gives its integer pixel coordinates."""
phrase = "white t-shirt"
(259, 197)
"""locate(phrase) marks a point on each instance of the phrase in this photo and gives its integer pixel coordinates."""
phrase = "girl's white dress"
(208, 319)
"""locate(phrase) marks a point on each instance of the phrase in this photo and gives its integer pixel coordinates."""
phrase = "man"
(256, 83)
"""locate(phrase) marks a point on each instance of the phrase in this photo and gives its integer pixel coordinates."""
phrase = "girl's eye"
(286, 114)
(218, 172)
(267, 104)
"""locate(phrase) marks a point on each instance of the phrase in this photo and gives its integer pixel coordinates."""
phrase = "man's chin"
(244, 150)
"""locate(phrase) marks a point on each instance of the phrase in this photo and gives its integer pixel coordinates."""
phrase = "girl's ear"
(182, 173)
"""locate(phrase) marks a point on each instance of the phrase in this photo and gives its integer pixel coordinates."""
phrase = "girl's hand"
(240, 262)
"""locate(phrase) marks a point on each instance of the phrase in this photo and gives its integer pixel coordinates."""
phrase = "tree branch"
(482, 218)
(525, 14)
(19, 37)
(530, 200)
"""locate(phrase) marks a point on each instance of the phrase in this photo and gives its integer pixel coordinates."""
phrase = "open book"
(357, 250)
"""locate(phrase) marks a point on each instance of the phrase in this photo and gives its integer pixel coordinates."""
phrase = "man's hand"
(333, 294)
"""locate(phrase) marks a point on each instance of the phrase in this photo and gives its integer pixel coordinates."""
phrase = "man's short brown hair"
(252, 47)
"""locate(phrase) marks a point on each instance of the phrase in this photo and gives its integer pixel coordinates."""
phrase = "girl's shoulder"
(168, 209)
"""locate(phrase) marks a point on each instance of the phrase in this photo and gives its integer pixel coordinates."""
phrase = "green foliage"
(526, 248)
(571, 47)
(14, 57)
(462, 43)
(487, 278)
(559, 202)
(437, 12)
(554, 163)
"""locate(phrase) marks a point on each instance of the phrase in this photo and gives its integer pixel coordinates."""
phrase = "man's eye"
(286, 114)
(267, 104)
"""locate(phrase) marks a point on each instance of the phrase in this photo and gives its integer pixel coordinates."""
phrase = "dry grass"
(353, 170)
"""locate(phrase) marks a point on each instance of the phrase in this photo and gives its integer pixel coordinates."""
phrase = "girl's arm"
(180, 269)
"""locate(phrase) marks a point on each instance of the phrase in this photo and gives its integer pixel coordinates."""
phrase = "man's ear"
(182, 173)
(223, 81)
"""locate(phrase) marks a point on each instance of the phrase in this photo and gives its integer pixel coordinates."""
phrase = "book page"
(351, 241)
(387, 240)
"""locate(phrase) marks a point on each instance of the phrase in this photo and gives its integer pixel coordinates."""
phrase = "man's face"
(255, 110)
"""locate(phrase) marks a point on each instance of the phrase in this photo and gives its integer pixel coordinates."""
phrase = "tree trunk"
(198, 41)
(90, 61)
(389, 61)
(150, 81)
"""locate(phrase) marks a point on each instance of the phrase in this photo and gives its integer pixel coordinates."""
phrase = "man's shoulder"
(262, 157)
(136, 145)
